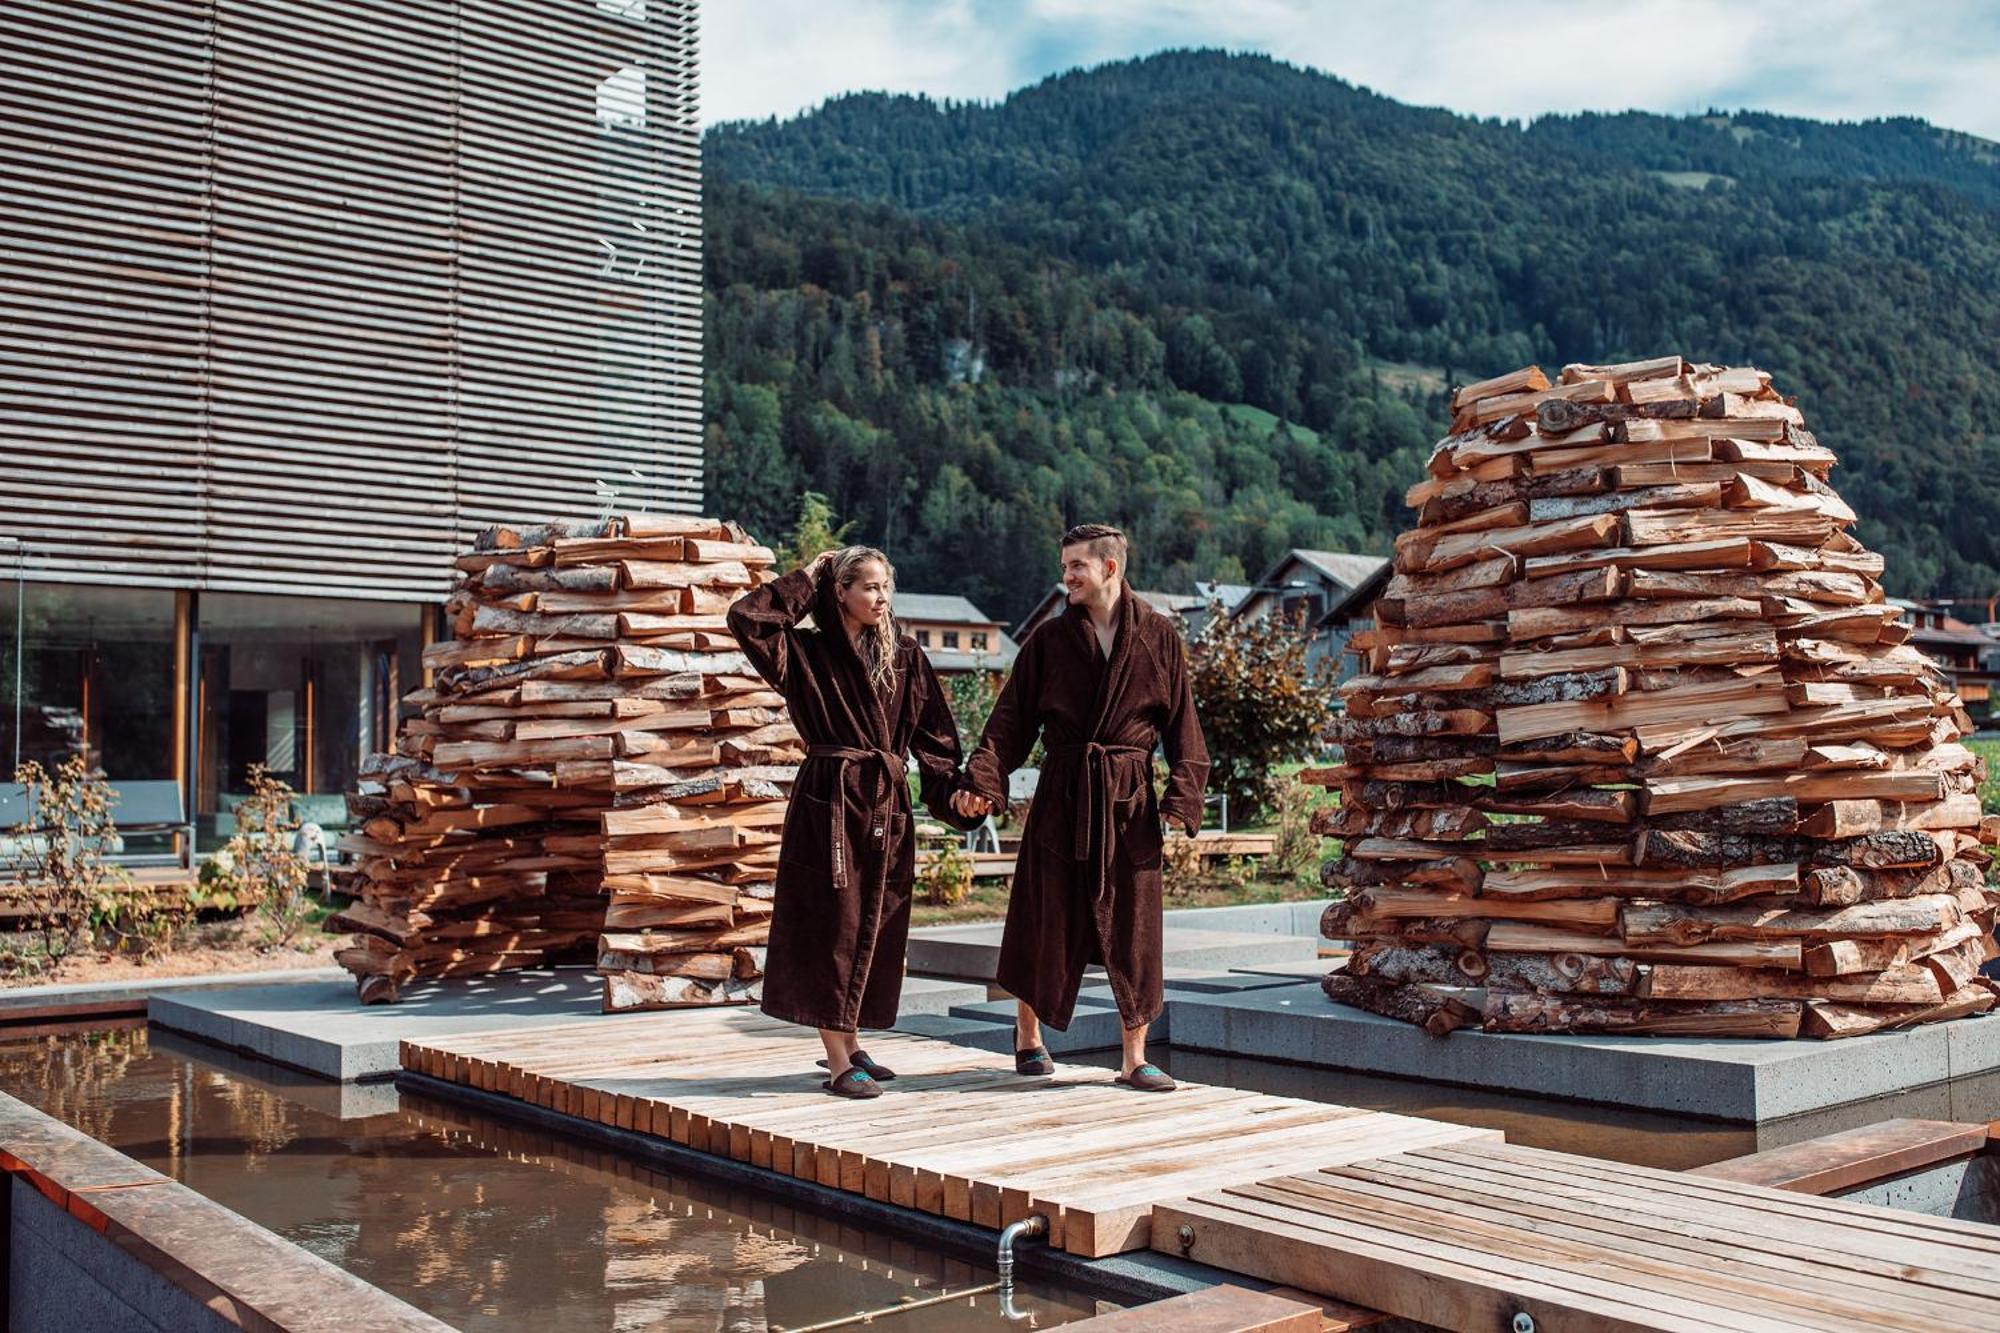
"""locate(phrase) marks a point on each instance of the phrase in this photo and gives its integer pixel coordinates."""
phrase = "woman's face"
(865, 597)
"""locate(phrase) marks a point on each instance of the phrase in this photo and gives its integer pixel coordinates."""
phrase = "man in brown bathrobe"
(1102, 685)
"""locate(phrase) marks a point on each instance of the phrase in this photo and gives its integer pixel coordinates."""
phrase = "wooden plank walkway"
(958, 1133)
(1466, 1235)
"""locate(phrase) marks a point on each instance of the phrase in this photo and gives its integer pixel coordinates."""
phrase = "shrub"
(1261, 704)
(65, 869)
(946, 877)
(258, 865)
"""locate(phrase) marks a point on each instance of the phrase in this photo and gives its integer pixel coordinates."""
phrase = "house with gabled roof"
(955, 634)
(1307, 585)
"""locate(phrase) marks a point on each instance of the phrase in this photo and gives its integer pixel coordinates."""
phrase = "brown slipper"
(853, 1083)
(1148, 1078)
(881, 1073)
(1034, 1061)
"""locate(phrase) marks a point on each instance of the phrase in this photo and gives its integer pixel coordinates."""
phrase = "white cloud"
(1832, 59)
(778, 57)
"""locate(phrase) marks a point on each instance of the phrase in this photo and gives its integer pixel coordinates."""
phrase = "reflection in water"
(484, 1224)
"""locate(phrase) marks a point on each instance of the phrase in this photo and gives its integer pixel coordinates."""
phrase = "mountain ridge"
(1281, 235)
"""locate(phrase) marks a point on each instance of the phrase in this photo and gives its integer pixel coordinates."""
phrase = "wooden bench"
(144, 807)
(1209, 844)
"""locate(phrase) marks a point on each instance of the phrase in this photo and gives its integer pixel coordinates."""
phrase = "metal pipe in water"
(870, 1316)
(1036, 1225)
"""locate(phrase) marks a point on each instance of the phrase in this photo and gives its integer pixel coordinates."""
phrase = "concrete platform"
(1094, 1026)
(318, 1027)
(1300, 918)
(972, 953)
(1732, 1079)
(22, 1003)
(989, 1024)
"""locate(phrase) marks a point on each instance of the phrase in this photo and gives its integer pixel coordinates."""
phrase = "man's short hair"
(1105, 542)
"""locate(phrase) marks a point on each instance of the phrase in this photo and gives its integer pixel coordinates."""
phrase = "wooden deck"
(1434, 1222)
(1465, 1235)
(958, 1133)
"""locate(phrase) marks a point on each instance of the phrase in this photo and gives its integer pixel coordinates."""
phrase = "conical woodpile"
(1639, 746)
(594, 772)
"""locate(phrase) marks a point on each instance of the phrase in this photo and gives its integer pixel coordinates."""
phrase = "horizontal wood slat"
(298, 294)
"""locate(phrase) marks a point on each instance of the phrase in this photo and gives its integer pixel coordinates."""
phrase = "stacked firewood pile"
(595, 772)
(1639, 746)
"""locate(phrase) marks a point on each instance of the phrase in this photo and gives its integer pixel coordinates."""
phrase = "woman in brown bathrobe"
(864, 697)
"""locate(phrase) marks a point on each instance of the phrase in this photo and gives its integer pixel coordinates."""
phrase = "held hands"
(971, 805)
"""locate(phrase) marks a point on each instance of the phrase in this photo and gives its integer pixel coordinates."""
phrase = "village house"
(1969, 654)
(1310, 586)
(955, 634)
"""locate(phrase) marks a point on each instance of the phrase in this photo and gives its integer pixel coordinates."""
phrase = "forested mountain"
(1218, 298)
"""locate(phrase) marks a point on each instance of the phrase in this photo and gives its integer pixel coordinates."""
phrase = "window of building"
(305, 686)
(95, 668)
(951, 638)
(979, 642)
(1303, 608)
(923, 638)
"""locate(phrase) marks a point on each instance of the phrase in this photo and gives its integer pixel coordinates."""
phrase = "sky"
(1827, 59)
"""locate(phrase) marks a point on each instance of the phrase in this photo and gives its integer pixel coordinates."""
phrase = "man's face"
(1084, 574)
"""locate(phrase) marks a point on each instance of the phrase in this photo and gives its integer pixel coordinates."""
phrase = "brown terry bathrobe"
(842, 914)
(1087, 879)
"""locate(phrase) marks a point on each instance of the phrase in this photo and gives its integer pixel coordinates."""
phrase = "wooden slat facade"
(296, 295)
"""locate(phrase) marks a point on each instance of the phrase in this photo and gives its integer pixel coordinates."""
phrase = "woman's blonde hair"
(878, 642)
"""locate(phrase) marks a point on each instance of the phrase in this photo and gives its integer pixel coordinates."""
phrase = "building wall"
(296, 295)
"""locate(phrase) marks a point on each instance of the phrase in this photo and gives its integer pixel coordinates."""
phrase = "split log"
(1595, 804)
(1576, 747)
(1826, 1019)
(1563, 974)
(1528, 838)
(1510, 937)
(1643, 923)
(1435, 1012)
(1875, 851)
(1834, 958)
(1908, 984)
(1507, 1012)
(1353, 821)
(1667, 795)
(1684, 886)
(1619, 712)
(1570, 913)
(1766, 815)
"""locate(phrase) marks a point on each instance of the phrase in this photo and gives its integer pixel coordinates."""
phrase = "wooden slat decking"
(1466, 1235)
(958, 1133)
